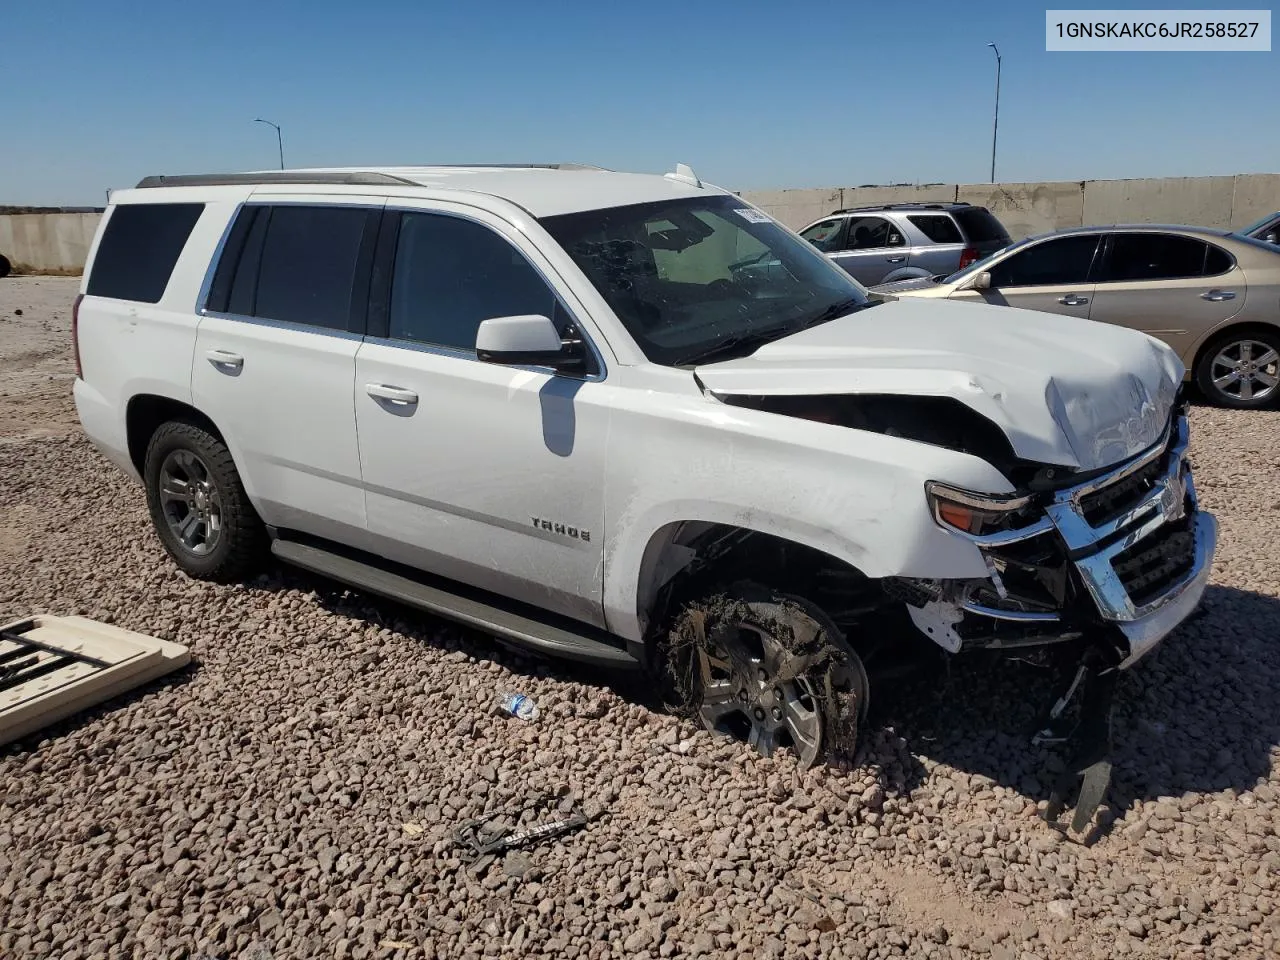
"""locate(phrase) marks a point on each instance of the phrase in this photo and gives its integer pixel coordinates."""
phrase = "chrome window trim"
(290, 325)
(206, 285)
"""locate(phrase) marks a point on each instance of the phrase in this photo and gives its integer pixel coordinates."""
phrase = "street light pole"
(279, 139)
(995, 125)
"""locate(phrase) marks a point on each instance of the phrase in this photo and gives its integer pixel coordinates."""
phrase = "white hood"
(1065, 391)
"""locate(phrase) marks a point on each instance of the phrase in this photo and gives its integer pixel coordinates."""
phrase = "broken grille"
(1158, 562)
(1111, 501)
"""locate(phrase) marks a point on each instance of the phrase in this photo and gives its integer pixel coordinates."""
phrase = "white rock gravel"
(290, 795)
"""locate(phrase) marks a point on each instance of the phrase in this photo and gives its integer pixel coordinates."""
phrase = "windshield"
(704, 278)
(1268, 220)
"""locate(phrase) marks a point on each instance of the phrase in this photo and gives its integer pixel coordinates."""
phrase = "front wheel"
(198, 505)
(770, 669)
(1242, 370)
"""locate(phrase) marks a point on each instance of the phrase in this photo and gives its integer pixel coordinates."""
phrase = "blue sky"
(98, 93)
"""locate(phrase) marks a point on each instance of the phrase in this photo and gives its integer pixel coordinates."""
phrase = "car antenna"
(684, 173)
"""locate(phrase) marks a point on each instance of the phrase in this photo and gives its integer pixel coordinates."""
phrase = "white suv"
(633, 420)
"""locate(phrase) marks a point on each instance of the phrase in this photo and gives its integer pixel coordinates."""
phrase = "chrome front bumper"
(1093, 550)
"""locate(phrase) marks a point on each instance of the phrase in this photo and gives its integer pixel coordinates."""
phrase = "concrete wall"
(59, 242)
(47, 242)
(1030, 208)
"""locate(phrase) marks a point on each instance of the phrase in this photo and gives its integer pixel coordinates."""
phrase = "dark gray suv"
(898, 241)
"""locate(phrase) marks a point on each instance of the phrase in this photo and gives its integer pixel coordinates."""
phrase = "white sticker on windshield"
(753, 216)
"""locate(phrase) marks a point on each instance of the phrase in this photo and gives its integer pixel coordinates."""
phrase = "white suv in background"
(631, 419)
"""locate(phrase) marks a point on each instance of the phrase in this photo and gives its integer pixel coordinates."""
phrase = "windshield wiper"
(731, 345)
(835, 311)
(756, 338)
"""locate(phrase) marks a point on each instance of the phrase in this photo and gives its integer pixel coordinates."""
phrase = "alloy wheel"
(1246, 371)
(750, 691)
(190, 502)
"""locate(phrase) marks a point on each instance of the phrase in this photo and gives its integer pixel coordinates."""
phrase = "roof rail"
(349, 177)
(913, 205)
(355, 178)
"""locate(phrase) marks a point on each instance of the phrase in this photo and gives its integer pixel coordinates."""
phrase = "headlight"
(978, 514)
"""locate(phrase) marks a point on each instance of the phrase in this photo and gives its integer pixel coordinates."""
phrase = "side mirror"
(980, 282)
(527, 340)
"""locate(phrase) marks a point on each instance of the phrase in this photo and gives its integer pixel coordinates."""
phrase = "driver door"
(1056, 275)
(489, 475)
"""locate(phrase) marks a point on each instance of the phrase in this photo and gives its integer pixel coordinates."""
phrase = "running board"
(535, 634)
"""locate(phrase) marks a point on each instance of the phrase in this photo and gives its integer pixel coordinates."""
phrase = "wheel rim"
(190, 502)
(1246, 371)
(743, 696)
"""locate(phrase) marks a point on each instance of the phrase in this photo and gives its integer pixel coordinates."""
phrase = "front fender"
(854, 495)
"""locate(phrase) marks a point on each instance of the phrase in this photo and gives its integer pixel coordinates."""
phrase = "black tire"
(233, 546)
(5, 266)
(1228, 348)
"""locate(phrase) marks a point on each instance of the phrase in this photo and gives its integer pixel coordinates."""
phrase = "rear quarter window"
(980, 226)
(140, 245)
(937, 227)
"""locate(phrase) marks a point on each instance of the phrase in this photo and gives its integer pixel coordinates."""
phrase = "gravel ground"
(291, 793)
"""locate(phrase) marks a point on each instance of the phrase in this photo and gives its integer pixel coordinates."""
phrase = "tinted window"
(246, 276)
(139, 247)
(450, 274)
(938, 228)
(1155, 256)
(824, 235)
(1065, 260)
(308, 266)
(1216, 261)
(980, 226)
(867, 233)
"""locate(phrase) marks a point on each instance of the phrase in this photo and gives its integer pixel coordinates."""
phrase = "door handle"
(896, 259)
(1071, 300)
(1216, 296)
(225, 358)
(382, 391)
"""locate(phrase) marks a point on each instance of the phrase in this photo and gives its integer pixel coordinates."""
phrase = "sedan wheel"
(1242, 371)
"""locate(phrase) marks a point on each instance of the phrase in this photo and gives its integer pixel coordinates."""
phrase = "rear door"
(1168, 285)
(1054, 276)
(274, 364)
(941, 244)
(873, 248)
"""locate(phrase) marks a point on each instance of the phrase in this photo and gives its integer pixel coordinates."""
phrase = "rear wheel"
(1242, 370)
(198, 505)
(771, 670)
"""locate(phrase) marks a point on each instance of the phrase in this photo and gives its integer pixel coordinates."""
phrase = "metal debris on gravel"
(257, 809)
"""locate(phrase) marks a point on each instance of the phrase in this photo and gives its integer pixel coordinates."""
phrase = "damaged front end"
(1122, 554)
(1109, 563)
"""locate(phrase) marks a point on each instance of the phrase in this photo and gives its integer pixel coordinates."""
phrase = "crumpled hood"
(1064, 391)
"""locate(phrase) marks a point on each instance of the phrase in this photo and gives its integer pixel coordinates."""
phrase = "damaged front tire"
(770, 669)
